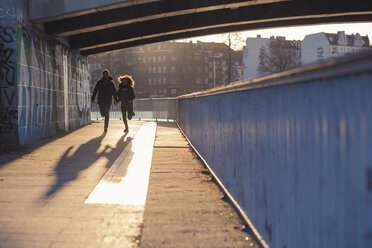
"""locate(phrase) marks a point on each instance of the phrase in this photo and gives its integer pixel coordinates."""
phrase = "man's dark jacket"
(106, 90)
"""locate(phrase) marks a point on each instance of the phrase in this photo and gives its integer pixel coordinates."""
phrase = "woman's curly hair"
(128, 78)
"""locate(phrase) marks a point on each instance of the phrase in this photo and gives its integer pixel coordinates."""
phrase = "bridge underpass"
(291, 149)
(133, 23)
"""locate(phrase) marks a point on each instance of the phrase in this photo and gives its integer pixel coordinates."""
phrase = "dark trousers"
(105, 112)
(126, 108)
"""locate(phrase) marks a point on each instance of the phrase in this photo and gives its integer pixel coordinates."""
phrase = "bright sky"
(298, 33)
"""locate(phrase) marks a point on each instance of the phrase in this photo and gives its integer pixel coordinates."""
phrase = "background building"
(263, 56)
(323, 46)
(251, 53)
(172, 68)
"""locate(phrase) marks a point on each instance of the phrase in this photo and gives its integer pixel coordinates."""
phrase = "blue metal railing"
(294, 150)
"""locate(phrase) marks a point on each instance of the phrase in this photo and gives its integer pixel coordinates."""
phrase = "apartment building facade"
(322, 46)
(171, 68)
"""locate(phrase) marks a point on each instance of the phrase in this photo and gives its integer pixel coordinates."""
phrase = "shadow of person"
(125, 142)
(120, 169)
(70, 165)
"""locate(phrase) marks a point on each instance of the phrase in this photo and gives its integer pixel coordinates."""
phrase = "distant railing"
(144, 109)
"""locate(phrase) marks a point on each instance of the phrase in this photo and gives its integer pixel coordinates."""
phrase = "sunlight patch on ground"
(126, 182)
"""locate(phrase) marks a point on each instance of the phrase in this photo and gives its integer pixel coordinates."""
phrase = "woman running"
(126, 95)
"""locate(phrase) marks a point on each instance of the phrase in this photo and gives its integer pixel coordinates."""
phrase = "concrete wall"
(32, 81)
(41, 111)
(295, 154)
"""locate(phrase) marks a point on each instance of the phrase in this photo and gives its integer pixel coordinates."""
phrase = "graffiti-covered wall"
(8, 80)
(44, 86)
(42, 71)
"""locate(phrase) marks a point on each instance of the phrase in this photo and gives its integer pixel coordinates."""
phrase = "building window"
(154, 81)
(150, 81)
(159, 81)
(174, 91)
(154, 59)
(164, 59)
(159, 69)
(206, 80)
(198, 81)
(173, 58)
(150, 70)
(159, 59)
(320, 52)
(154, 69)
(164, 69)
(164, 80)
(144, 59)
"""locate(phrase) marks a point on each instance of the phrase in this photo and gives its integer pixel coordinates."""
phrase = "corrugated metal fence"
(294, 150)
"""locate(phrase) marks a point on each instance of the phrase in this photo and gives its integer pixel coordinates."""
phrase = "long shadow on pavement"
(69, 166)
(8, 153)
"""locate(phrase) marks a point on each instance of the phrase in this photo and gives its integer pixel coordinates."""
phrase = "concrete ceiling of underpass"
(131, 23)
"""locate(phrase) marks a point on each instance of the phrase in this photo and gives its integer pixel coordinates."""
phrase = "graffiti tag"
(7, 12)
(7, 67)
(7, 34)
(9, 99)
(6, 117)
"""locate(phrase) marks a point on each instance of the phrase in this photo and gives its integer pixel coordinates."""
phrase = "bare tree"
(234, 41)
(278, 56)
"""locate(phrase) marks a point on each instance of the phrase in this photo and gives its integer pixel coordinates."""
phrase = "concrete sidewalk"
(184, 207)
(44, 187)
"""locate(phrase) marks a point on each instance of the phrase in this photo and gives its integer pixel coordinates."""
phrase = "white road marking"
(127, 180)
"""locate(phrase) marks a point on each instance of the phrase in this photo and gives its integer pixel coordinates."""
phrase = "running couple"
(106, 91)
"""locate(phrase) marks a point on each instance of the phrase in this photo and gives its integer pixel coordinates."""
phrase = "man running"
(106, 90)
